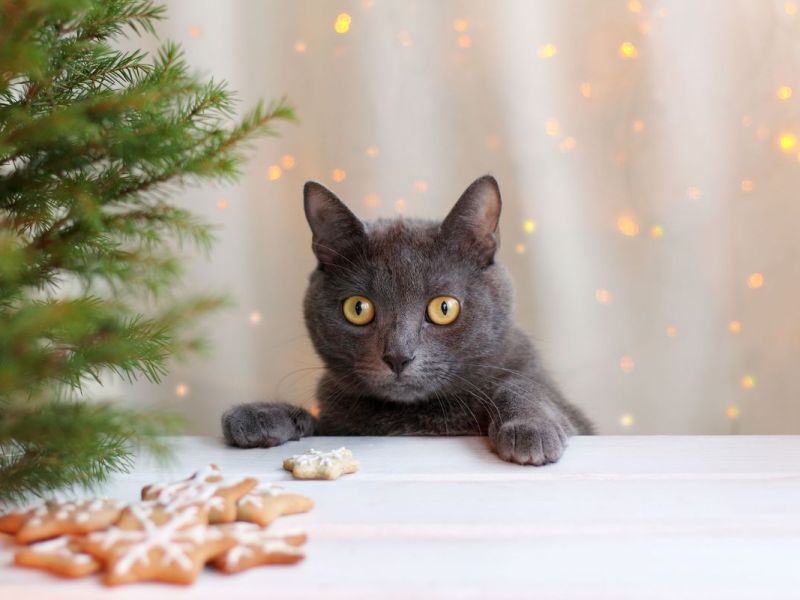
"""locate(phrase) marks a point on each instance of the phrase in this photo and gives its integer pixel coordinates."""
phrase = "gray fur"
(478, 375)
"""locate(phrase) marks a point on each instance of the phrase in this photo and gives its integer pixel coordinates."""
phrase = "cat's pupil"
(358, 307)
(444, 308)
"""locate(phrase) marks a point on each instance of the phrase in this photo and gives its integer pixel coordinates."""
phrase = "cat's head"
(402, 309)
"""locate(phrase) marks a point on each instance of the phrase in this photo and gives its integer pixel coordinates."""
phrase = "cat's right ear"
(335, 230)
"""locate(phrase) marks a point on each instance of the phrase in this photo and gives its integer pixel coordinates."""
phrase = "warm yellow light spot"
(314, 410)
(372, 151)
(762, 133)
(626, 420)
(787, 141)
(519, 248)
(339, 175)
(694, 193)
(755, 281)
(644, 27)
(529, 225)
(735, 327)
(195, 32)
(288, 162)
(255, 317)
(656, 232)
(405, 39)
(628, 51)
(222, 204)
(627, 225)
(586, 89)
(400, 205)
(602, 295)
(748, 382)
(634, 6)
(181, 390)
(342, 23)
(421, 186)
(671, 331)
(638, 126)
(567, 144)
(747, 185)
(551, 127)
(784, 92)
(790, 8)
(547, 51)
(626, 364)
(372, 200)
(274, 172)
(300, 47)
(460, 25)
(732, 412)
(464, 41)
(747, 121)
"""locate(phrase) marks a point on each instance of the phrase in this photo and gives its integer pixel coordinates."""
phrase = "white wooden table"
(618, 517)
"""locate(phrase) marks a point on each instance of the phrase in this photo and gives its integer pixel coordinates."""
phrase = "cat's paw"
(529, 441)
(263, 425)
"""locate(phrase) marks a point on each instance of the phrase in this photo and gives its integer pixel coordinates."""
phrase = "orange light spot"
(735, 327)
(638, 126)
(602, 295)
(288, 162)
(626, 364)
(195, 32)
(551, 127)
(222, 204)
(656, 232)
(300, 47)
(519, 248)
(628, 51)
(787, 141)
(732, 412)
(790, 8)
(626, 420)
(748, 382)
(747, 121)
(784, 92)
(460, 25)
(372, 200)
(586, 89)
(627, 226)
(747, 185)
(274, 172)
(255, 317)
(181, 390)
(464, 41)
(694, 193)
(671, 331)
(634, 6)
(342, 23)
(339, 175)
(400, 205)
(755, 281)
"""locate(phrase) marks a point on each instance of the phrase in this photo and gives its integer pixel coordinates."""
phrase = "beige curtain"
(648, 157)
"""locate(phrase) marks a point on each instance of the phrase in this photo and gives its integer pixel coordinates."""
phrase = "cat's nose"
(397, 362)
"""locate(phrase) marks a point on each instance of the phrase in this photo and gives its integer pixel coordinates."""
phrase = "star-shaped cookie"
(315, 464)
(61, 556)
(54, 518)
(266, 503)
(255, 546)
(155, 542)
(218, 496)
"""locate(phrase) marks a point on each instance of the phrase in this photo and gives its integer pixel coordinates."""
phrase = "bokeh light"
(628, 51)
(274, 172)
(627, 364)
(547, 51)
(627, 226)
(342, 23)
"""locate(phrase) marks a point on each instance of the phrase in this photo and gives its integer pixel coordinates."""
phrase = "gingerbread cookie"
(154, 542)
(207, 487)
(265, 504)
(255, 546)
(54, 518)
(61, 556)
(321, 465)
(12, 522)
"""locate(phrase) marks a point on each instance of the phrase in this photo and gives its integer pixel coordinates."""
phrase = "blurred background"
(648, 157)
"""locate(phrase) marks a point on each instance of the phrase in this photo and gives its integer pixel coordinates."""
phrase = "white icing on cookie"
(175, 538)
(201, 487)
(317, 458)
(251, 538)
(59, 547)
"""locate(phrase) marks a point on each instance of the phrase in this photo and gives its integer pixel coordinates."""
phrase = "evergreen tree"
(93, 140)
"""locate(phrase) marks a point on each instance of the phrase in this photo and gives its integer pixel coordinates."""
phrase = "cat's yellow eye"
(443, 310)
(358, 310)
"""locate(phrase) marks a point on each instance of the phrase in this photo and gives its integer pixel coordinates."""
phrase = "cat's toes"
(257, 426)
(530, 442)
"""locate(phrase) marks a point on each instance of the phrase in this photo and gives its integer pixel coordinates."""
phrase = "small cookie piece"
(60, 556)
(265, 504)
(154, 542)
(256, 546)
(12, 522)
(55, 518)
(207, 487)
(315, 464)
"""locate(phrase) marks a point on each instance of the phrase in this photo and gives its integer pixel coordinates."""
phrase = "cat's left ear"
(472, 223)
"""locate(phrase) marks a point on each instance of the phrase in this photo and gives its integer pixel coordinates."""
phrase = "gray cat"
(413, 322)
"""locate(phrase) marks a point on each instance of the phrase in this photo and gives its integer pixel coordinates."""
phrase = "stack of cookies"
(169, 536)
